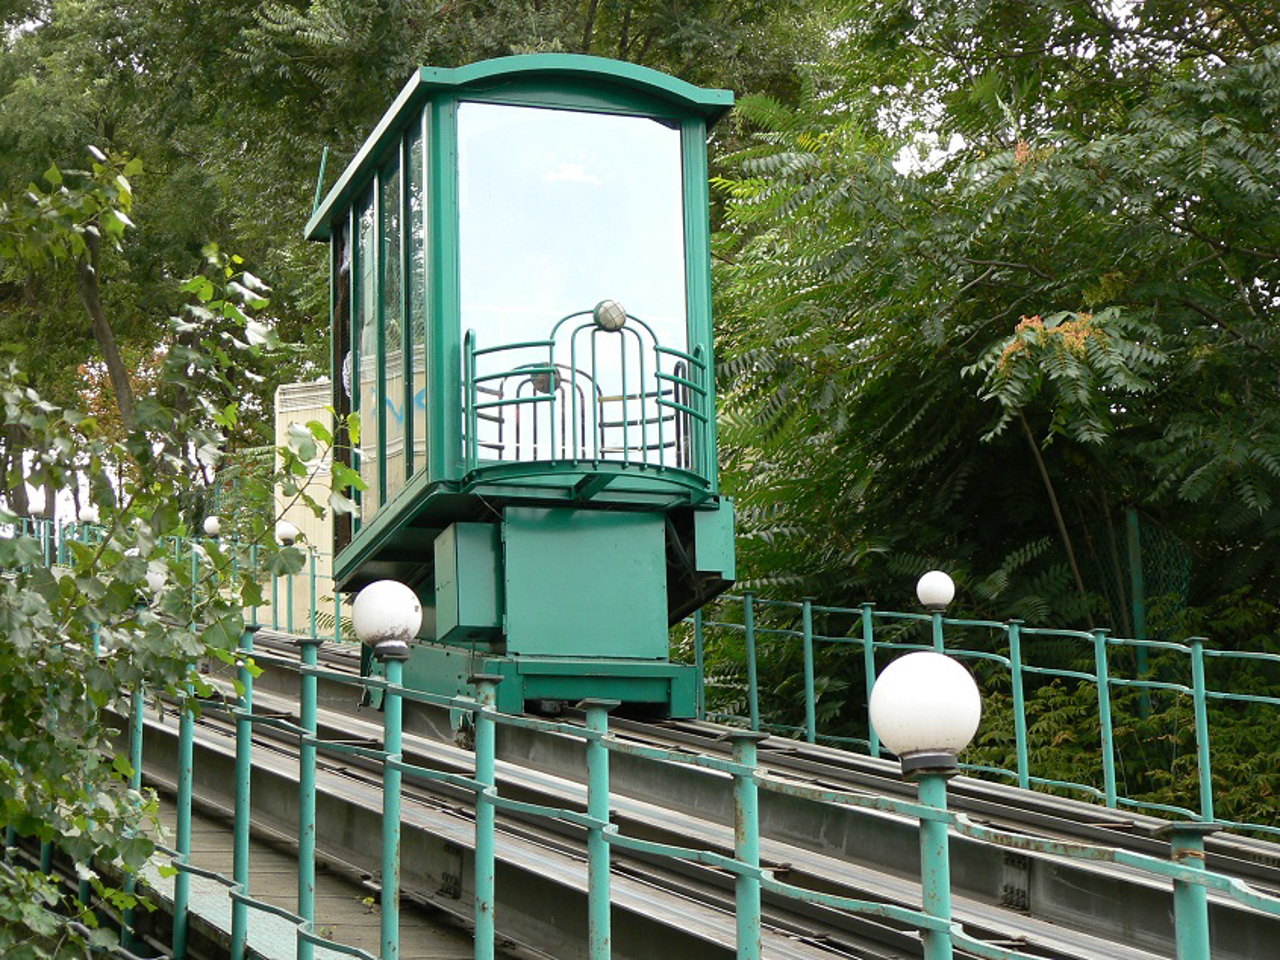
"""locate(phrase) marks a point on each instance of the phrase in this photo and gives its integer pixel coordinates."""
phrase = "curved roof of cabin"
(546, 79)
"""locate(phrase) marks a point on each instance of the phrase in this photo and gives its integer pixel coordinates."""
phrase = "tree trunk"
(87, 282)
(1057, 516)
(592, 6)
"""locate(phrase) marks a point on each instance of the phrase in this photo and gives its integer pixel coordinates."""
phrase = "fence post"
(810, 695)
(1104, 716)
(182, 881)
(307, 796)
(1019, 703)
(935, 864)
(869, 671)
(1190, 899)
(746, 841)
(699, 666)
(486, 696)
(393, 662)
(938, 645)
(598, 881)
(749, 628)
(244, 769)
(1200, 696)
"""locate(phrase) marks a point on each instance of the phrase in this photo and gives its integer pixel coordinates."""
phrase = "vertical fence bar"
(1019, 703)
(1190, 900)
(1200, 697)
(307, 797)
(275, 601)
(288, 599)
(253, 572)
(869, 672)
(313, 594)
(746, 841)
(937, 631)
(244, 769)
(486, 691)
(392, 705)
(810, 695)
(195, 574)
(749, 628)
(935, 865)
(699, 666)
(136, 706)
(1104, 716)
(337, 613)
(598, 922)
(182, 882)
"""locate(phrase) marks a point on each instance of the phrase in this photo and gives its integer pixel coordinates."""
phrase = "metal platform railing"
(587, 394)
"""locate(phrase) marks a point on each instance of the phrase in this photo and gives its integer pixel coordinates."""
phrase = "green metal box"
(468, 583)
(585, 583)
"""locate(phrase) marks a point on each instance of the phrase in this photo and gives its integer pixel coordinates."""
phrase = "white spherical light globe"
(286, 533)
(212, 526)
(386, 616)
(925, 705)
(89, 513)
(935, 589)
(609, 315)
(156, 580)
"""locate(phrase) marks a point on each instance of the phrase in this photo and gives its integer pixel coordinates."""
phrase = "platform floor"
(345, 912)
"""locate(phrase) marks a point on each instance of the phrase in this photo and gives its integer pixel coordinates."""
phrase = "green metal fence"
(995, 650)
(941, 934)
(1012, 660)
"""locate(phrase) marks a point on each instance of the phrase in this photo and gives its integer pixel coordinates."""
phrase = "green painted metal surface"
(468, 583)
(588, 583)
(714, 541)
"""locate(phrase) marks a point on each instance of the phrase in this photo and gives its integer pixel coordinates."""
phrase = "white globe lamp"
(88, 513)
(925, 707)
(935, 590)
(609, 315)
(212, 526)
(155, 580)
(286, 533)
(386, 616)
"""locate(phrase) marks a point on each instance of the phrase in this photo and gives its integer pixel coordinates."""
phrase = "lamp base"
(937, 762)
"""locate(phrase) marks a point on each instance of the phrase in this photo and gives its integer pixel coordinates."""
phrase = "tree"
(78, 636)
(983, 293)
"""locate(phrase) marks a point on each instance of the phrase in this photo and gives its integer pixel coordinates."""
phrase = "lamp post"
(935, 590)
(386, 616)
(925, 708)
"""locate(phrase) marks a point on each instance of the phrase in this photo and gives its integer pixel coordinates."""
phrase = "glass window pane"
(342, 523)
(417, 299)
(365, 334)
(560, 210)
(392, 332)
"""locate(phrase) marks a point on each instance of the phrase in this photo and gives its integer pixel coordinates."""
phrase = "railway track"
(1042, 905)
